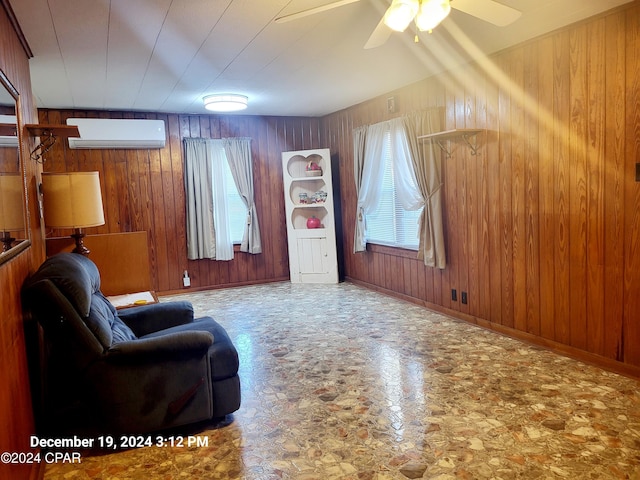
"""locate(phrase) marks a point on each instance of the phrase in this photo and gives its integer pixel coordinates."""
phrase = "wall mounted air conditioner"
(10, 122)
(117, 133)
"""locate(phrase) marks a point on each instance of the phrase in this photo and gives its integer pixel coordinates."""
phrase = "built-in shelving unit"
(309, 193)
(466, 134)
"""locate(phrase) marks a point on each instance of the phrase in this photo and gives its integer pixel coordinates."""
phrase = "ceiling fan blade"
(312, 11)
(488, 10)
(379, 36)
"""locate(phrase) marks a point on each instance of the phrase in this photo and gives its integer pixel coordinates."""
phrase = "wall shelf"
(55, 130)
(466, 134)
(8, 130)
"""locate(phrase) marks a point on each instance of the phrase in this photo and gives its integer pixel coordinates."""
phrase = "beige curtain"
(428, 171)
(201, 234)
(238, 151)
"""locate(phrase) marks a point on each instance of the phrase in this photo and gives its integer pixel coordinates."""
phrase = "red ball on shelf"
(313, 222)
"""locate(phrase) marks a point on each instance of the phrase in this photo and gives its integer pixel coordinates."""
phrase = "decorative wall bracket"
(466, 134)
(48, 135)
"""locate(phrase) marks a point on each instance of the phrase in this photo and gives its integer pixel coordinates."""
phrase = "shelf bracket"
(472, 146)
(47, 141)
(442, 146)
(48, 135)
(469, 137)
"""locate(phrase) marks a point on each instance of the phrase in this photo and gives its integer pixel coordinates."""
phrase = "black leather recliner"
(135, 370)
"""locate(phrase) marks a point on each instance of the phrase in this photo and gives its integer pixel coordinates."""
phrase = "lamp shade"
(72, 200)
(11, 202)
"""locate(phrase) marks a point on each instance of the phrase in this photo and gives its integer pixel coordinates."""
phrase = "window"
(232, 210)
(236, 208)
(391, 224)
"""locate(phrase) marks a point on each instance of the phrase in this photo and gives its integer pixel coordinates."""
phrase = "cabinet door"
(312, 255)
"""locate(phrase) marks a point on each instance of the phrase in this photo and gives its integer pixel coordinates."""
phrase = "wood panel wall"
(543, 225)
(143, 190)
(15, 398)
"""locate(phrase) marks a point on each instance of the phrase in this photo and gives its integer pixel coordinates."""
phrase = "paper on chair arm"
(130, 299)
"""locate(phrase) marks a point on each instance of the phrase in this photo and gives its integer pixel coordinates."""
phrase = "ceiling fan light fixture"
(225, 102)
(431, 13)
(399, 15)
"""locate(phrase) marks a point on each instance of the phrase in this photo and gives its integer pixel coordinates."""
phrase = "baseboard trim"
(605, 363)
(225, 285)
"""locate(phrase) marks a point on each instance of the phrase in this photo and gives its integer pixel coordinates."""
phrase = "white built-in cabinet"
(309, 193)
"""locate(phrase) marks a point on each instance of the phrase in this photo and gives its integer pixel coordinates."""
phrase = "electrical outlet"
(454, 295)
(186, 281)
(464, 297)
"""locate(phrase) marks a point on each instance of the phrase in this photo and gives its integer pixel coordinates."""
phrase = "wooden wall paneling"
(578, 188)
(614, 158)
(156, 245)
(505, 202)
(561, 118)
(460, 161)
(518, 221)
(15, 401)
(276, 234)
(493, 192)
(450, 216)
(631, 326)
(157, 241)
(119, 168)
(595, 186)
(472, 200)
(546, 177)
(482, 291)
(174, 201)
(531, 162)
(407, 286)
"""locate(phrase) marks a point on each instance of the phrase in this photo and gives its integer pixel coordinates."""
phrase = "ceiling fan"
(427, 14)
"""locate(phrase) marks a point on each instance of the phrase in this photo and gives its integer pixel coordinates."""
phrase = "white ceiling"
(165, 55)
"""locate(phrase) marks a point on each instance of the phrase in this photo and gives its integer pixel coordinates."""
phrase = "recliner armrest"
(158, 316)
(171, 346)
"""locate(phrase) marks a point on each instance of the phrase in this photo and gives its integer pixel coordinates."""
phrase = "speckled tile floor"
(339, 382)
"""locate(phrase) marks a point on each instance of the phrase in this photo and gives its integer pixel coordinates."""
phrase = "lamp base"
(80, 247)
(7, 241)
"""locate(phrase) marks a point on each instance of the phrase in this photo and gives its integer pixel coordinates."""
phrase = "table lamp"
(73, 200)
(11, 208)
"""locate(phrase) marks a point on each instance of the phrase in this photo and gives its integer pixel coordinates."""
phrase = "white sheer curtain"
(238, 151)
(404, 177)
(371, 183)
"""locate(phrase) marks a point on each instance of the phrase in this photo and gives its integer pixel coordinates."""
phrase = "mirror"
(13, 220)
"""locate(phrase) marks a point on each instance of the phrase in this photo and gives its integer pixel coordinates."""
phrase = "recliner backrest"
(77, 280)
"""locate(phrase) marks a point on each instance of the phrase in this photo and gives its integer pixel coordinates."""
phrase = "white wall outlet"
(186, 281)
